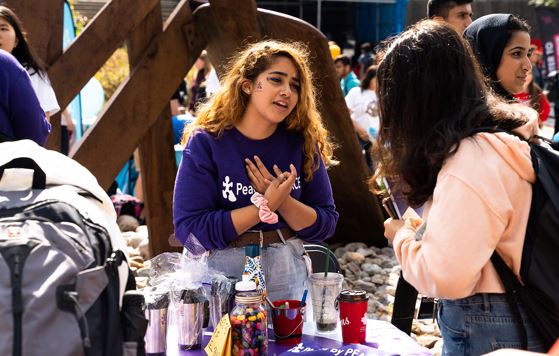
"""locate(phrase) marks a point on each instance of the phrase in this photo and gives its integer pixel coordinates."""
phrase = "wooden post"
(157, 158)
(229, 28)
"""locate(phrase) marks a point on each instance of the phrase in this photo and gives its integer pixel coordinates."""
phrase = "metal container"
(191, 319)
(222, 297)
(156, 334)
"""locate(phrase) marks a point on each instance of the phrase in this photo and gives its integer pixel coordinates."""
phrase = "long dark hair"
(23, 53)
(431, 95)
(370, 74)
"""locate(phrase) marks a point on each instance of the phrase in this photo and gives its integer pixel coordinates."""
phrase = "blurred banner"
(549, 31)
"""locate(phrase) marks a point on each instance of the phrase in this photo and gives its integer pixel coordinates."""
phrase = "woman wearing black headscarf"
(501, 43)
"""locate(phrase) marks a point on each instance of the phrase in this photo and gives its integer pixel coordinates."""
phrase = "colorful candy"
(249, 330)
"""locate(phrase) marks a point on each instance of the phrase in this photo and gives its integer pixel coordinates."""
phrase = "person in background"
(212, 84)
(67, 131)
(14, 41)
(536, 59)
(254, 169)
(21, 116)
(362, 104)
(177, 102)
(458, 13)
(501, 44)
(335, 50)
(366, 59)
(534, 97)
(348, 79)
(474, 186)
(197, 80)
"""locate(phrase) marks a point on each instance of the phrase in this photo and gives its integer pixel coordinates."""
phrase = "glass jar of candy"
(249, 326)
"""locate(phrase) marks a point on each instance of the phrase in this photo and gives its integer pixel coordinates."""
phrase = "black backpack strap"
(512, 286)
(39, 176)
(403, 311)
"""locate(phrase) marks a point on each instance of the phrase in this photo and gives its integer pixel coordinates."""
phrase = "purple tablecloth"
(381, 335)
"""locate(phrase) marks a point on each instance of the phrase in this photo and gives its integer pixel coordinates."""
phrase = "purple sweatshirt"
(21, 116)
(212, 181)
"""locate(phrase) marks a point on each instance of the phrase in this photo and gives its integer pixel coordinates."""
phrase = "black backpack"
(539, 268)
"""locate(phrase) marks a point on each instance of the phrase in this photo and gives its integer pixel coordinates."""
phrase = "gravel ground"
(376, 271)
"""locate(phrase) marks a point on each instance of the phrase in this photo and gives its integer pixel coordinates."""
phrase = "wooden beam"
(157, 155)
(229, 28)
(139, 101)
(90, 50)
(83, 58)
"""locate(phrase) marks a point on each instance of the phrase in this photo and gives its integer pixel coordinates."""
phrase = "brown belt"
(270, 237)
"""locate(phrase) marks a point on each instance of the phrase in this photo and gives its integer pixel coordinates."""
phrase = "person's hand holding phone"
(389, 207)
(394, 223)
(391, 227)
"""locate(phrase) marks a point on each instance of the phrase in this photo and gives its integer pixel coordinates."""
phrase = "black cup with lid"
(349, 296)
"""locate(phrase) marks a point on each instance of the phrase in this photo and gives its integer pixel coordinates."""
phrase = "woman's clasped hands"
(275, 189)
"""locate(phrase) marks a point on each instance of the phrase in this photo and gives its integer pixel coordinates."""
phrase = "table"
(381, 335)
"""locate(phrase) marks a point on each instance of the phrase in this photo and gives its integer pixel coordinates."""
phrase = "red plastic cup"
(287, 319)
(353, 315)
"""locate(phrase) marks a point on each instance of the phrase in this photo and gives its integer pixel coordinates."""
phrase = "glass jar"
(249, 326)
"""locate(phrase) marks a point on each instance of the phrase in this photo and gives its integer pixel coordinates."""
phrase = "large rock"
(371, 268)
(127, 223)
(354, 257)
(427, 341)
(354, 246)
(366, 286)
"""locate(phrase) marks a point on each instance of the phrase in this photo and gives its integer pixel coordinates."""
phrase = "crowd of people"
(256, 154)
(353, 71)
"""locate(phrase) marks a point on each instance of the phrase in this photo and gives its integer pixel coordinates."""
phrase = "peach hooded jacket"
(481, 202)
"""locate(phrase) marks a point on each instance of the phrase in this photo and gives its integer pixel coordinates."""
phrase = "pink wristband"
(264, 213)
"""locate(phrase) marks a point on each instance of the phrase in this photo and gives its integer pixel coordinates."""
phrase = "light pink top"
(481, 202)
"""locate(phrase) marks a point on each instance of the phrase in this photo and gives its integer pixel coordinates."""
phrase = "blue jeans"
(482, 323)
(284, 267)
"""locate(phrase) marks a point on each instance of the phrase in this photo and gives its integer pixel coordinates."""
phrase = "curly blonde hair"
(227, 106)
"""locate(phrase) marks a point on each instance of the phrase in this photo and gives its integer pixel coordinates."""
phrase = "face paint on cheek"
(258, 87)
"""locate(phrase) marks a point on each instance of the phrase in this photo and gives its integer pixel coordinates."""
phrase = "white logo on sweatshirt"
(232, 190)
(227, 192)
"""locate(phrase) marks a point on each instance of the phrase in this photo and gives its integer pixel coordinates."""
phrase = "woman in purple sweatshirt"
(21, 116)
(259, 139)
